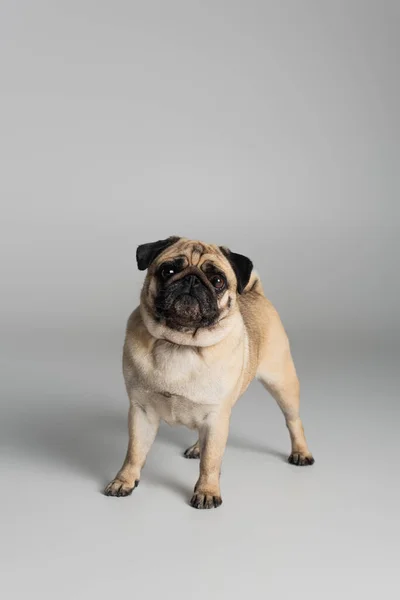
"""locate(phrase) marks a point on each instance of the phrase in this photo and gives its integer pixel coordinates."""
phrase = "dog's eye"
(167, 271)
(218, 282)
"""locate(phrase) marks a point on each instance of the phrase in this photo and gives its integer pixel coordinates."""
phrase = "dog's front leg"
(213, 436)
(143, 427)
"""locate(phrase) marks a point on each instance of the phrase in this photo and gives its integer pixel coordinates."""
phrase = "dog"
(202, 332)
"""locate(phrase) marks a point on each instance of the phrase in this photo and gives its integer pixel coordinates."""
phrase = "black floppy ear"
(242, 267)
(146, 253)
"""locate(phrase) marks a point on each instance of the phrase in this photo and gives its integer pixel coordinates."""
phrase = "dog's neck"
(202, 337)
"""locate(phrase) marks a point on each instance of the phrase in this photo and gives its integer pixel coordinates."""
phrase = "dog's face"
(190, 286)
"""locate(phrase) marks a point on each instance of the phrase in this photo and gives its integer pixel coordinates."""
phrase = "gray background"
(270, 127)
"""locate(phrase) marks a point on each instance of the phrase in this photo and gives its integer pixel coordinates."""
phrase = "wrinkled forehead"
(194, 254)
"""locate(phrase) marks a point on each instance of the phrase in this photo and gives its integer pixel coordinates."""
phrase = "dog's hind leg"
(278, 375)
(193, 451)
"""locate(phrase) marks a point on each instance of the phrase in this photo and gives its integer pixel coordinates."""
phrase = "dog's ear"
(242, 267)
(146, 253)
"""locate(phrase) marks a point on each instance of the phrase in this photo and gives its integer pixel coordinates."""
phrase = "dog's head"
(191, 287)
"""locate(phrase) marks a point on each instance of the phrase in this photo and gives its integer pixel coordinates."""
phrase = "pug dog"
(203, 331)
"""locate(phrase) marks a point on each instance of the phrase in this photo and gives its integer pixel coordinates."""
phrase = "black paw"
(119, 489)
(301, 460)
(192, 452)
(205, 501)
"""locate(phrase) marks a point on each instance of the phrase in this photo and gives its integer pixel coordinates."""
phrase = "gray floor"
(327, 531)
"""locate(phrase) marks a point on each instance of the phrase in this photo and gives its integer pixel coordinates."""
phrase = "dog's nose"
(192, 281)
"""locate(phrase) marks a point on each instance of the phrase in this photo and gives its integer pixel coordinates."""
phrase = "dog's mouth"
(186, 313)
(187, 310)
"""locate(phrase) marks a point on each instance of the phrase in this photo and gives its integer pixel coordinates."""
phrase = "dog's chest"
(180, 382)
(186, 372)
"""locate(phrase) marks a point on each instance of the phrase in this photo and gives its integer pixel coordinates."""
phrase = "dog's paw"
(205, 501)
(119, 488)
(192, 452)
(301, 460)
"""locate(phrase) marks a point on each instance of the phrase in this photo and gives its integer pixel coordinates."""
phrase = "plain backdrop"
(269, 127)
